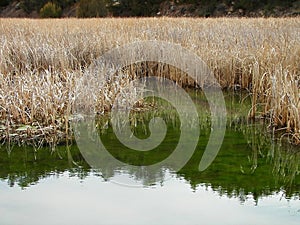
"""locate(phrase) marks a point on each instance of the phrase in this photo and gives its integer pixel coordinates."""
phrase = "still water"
(253, 180)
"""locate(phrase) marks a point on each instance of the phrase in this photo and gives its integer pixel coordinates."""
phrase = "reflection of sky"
(68, 200)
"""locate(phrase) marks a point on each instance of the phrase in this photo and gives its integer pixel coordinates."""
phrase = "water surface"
(253, 180)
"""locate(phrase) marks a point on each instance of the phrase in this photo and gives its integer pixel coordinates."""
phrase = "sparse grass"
(41, 60)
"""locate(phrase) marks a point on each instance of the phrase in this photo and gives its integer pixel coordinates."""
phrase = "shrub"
(92, 8)
(4, 3)
(50, 10)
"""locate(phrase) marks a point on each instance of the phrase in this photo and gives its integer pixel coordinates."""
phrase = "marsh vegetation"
(41, 61)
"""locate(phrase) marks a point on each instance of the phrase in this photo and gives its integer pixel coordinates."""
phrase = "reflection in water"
(249, 162)
(92, 201)
(250, 168)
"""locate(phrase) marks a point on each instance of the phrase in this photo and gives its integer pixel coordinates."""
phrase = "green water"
(253, 180)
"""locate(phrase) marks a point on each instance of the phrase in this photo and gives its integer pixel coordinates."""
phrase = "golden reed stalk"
(40, 61)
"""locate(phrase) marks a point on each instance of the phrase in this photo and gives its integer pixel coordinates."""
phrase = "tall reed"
(41, 60)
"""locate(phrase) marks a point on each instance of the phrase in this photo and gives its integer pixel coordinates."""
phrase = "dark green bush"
(92, 8)
(50, 10)
(4, 3)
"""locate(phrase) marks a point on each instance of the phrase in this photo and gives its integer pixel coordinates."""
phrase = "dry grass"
(40, 61)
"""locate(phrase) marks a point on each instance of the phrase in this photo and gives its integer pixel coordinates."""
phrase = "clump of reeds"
(35, 105)
(41, 60)
(284, 157)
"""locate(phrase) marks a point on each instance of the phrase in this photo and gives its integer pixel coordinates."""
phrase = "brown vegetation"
(40, 61)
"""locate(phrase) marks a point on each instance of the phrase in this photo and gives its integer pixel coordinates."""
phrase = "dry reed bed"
(40, 61)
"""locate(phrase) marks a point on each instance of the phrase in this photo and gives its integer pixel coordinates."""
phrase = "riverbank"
(100, 8)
